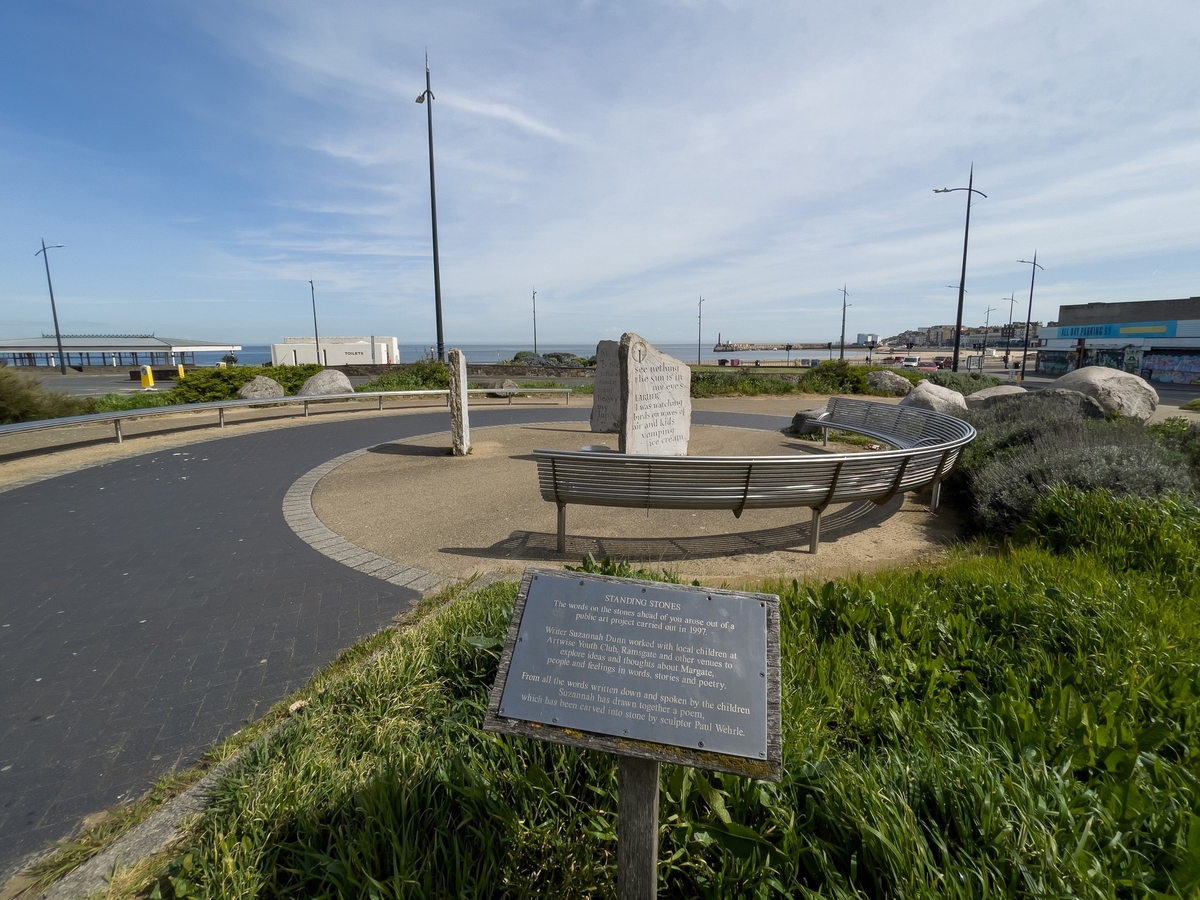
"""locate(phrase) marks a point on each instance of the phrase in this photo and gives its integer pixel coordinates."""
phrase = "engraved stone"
(606, 396)
(656, 400)
(460, 428)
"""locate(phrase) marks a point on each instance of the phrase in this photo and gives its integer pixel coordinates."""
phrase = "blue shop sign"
(1119, 330)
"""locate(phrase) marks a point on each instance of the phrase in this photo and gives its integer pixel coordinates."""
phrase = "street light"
(986, 323)
(535, 353)
(1011, 298)
(437, 273)
(962, 281)
(699, 326)
(62, 360)
(1029, 315)
(316, 337)
(842, 343)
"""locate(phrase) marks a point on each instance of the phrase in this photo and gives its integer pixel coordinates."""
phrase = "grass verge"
(1192, 405)
(1015, 724)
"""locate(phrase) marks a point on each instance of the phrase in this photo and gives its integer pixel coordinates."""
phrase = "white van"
(911, 362)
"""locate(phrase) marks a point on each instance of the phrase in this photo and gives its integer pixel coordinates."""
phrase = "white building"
(337, 351)
(864, 339)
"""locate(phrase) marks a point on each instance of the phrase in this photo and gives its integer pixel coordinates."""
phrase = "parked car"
(911, 362)
(938, 360)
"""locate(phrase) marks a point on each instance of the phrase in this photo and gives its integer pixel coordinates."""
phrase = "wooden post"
(637, 828)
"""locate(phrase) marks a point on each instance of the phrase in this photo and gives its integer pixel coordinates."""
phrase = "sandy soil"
(411, 502)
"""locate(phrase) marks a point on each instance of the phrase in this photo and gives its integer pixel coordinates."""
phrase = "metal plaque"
(681, 666)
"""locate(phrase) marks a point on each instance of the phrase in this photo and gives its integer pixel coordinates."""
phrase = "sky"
(201, 162)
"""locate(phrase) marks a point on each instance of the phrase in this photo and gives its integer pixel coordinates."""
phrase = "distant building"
(1157, 339)
(864, 339)
(337, 351)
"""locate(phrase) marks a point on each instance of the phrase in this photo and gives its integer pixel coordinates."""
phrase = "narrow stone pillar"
(460, 428)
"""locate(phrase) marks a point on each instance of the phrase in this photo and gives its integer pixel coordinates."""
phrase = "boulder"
(1116, 391)
(327, 381)
(506, 384)
(1035, 403)
(928, 395)
(804, 422)
(986, 397)
(260, 387)
(889, 383)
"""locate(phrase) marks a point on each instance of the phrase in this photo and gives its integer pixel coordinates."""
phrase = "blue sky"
(201, 162)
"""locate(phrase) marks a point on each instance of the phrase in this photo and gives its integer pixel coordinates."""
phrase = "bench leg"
(117, 427)
(824, 436)
(935, 496)
(562, 528)
(815, 538)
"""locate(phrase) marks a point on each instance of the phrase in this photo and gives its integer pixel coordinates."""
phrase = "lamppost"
(437, 273)
(842, 343)
(986, 323)
(62, 360)
(535, 353)
(699, 326)
(1029, 314)
(962, 280)
(316, 336)
(1011, 298)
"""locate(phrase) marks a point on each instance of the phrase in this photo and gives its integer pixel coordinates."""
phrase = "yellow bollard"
(181, 371)
(221, 364)
(147, 377)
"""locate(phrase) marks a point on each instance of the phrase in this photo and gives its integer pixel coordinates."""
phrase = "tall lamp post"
(962, 280)
(437, 273)
(316, 336)
(842, 342)
(62, 360)
(986, 324)
(1011, 298)
(535, 353)
(699, 327)
(1033, 263)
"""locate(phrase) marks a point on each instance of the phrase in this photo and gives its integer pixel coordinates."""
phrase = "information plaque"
(688, 675)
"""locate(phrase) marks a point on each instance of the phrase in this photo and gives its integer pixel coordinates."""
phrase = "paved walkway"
(153, 605)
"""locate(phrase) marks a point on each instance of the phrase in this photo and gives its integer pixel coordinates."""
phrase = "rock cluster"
(260, 387)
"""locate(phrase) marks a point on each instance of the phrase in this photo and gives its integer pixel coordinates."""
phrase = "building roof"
(1130, 311)
(113, 343)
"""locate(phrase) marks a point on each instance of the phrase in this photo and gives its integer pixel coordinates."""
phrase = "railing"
(220, 406)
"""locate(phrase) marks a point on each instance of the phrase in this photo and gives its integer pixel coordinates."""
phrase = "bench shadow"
(537, 545)
(410, 450)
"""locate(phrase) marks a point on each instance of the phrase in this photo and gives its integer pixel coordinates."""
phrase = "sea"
(482, 354)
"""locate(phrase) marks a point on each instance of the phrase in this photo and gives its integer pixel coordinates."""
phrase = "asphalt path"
(153, 605)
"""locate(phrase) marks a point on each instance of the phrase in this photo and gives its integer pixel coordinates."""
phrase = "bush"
(720, 384)
(122, 402)
(835, 376)
(1120, 457)
(1183, 438)
(426, 375)
(23, 399)
(963, 382)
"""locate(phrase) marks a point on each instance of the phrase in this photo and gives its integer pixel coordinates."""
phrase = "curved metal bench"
(927, 446)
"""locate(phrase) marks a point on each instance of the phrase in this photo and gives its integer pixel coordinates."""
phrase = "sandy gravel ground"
(413, 503)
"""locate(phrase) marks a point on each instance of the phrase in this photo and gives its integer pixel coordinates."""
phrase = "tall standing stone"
(460, 428)
(606, 394)
(656, 400)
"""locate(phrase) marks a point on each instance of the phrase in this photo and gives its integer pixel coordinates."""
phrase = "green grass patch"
(1192, 405)
(1015, 725)
(427, 375)
(122, 402)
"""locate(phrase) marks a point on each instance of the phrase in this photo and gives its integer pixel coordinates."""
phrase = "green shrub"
(1101, 456)
(23, 399)
(290, 378)
(835, 376)
(1182, 437)
(1160, 535)
(122, 402)
(1192, 405)
(963, 382)
(720, 384)
(426, 375)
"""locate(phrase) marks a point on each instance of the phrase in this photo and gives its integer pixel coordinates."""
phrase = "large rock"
(656, 400)
(986, 397)
(928, 395)
(506, 385)
(889, 383)
(260, 387)
(1117, 391)
(1047, 401)
(327, 381)
(805, 421)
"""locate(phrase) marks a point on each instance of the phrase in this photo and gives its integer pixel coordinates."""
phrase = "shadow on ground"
(536, 545)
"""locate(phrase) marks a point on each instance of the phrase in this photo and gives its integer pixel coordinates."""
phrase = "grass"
(1192, 405)
(427, 375)
(1017, 724)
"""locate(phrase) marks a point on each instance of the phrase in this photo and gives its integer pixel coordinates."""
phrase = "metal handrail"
(119, 416)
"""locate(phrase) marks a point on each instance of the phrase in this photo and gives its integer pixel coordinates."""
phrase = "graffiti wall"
(1172, 368)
